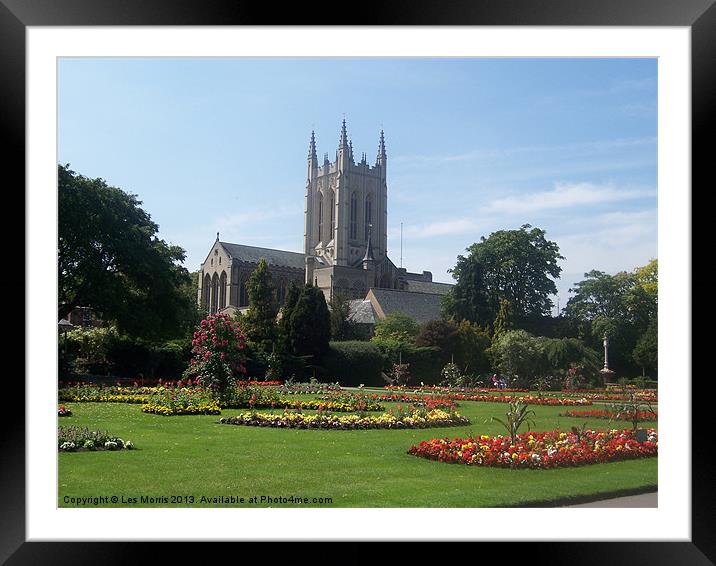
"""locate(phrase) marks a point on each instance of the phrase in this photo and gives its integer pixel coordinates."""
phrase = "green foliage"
(452, 376)
(516, 265)
(354, 362)
(289, 303)
(308, 324)
(105, 352)
(218, 358)
(395, 332)
(473, 346)
(89, 347)
(504, 320)
(342, 328)
(518, 355)
(259, 321)
(110, 259)
(622, 306)
(400, 374)
(516, 416)
(632, 409)
(646, 351)
(441, 334)
(562, 353)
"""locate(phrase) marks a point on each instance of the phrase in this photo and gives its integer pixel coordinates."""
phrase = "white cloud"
(565, 195)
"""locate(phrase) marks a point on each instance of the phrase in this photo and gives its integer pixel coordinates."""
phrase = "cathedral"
(345, 245)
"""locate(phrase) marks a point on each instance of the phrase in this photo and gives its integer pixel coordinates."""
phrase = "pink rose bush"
(218, 358)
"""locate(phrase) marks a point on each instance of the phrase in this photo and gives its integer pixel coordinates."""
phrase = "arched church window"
(214, 293)
(206, 292)
(354, 216)
(320, 219)
(368, 215)
(243, 292)
(222, 290)
(333, 215)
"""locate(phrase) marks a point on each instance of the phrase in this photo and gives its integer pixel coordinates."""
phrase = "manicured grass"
(196, 456)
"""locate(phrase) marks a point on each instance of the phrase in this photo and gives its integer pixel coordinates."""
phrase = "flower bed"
(602, 414)
(552, 449)
(205, 408)
(440, 389)
(63, 411)
(645, 397)
(427, 401)
(309, 388)
(80, 439)
(529, 399)
(417, 419)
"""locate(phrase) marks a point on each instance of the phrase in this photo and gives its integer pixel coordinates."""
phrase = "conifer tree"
(260, 319)
(308, 327)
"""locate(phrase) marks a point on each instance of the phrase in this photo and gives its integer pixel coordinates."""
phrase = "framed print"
(155, 80)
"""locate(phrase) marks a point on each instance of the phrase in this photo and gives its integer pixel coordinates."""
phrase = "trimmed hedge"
(353, 362)
(425, 365)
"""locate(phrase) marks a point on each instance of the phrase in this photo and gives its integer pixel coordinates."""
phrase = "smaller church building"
(345, 247)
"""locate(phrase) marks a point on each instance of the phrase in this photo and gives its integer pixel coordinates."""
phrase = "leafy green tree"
(397, 327)
(342, 328)
(562, 353)
(110, 259)
(519, 355)
(646, 351)
(473, 347)
(503, 321)
(516, 265)
(309, 324)
(621, 306)
(441, 334)
(260, 318)
(289, 303)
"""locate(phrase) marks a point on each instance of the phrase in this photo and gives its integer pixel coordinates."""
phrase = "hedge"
(353, 362)
(425, 364)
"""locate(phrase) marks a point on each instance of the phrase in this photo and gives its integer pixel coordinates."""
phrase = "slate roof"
(427, 287)
(252, 254)
(361, 311)
(423, 307)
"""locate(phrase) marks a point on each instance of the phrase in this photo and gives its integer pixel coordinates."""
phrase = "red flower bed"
(530, 399)
(602, 414)
(552, 449)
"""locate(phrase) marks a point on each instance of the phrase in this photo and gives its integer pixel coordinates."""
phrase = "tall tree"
(516, 265)
(621, 306)
(110, 259)
(260, 318)
(342, 328)
(309, 324)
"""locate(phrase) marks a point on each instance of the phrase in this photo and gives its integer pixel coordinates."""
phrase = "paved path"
(642, 500)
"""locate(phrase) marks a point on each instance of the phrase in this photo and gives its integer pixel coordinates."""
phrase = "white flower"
(109, 445)
(67, 446)
(128, 445)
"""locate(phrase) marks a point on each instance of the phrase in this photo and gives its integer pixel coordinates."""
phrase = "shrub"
(352, 363)
(218, 354)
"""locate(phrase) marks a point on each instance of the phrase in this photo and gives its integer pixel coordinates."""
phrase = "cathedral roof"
(252, 254)
(423, 307)
(361, 311)
(427, 287)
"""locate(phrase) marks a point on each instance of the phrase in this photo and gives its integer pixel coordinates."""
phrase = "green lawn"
(196, 456)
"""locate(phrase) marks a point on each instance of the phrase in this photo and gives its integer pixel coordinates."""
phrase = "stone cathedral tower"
(346, 221)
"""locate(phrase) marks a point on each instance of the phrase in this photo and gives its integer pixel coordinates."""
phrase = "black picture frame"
(17, 15)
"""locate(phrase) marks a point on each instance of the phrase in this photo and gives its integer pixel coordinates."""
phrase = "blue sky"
(474, 146)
